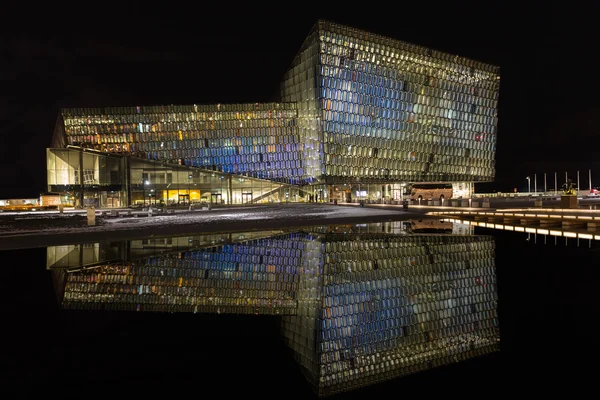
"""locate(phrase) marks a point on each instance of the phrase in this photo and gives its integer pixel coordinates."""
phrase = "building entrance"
(215, 198)
(246, 197)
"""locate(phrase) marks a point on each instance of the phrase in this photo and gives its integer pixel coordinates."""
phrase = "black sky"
(134, 53)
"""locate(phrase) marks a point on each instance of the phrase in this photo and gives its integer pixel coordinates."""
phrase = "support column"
(81, 194)
(230, 191)
(126, 174)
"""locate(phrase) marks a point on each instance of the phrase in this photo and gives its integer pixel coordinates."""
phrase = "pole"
(590, 174)
(535, 183)
(545, 188)
(555, 184)
(566, 178)
(577, 181)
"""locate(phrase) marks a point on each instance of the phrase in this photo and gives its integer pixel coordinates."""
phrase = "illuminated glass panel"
(253, 277)
(357, 107)
(389, 305)
(255, 140)
(391, 111)
(358, 306)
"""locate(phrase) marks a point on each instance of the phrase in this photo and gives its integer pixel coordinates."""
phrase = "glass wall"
(357, 107)
(63, 167)
(390, 193)
(299, 85)
(161, 184)
(395, 112)
(91, 178)
(254, 140)
(103, 180)
(359, 305)
(252, 277)
(388, 305)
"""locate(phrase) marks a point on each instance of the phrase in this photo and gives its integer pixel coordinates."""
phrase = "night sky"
(128, 54)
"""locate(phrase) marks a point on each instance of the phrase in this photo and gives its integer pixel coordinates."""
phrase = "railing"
(580, 193)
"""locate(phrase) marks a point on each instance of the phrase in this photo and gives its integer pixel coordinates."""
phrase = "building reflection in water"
(360, 304)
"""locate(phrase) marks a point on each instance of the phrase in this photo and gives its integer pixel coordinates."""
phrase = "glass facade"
(257, 276)
(386, 305)
(358, 304)
(108, 180)
(91, 178)
(256, 140)
(388, 111)
(357, 109)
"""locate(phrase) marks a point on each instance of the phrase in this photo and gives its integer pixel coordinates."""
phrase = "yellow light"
(519, 229)
(556, 233)
(569, 234)
(542, 231)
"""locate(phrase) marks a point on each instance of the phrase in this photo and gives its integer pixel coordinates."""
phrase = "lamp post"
(528, 184)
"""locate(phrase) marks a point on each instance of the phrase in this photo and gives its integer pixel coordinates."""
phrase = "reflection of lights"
(147, 182)
(235, 215)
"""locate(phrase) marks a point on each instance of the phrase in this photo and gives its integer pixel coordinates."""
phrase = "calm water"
(336, 311)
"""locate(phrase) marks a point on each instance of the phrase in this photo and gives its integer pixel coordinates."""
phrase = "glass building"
(387, 305)
(239, 273)
(358, 305)
(361, 116)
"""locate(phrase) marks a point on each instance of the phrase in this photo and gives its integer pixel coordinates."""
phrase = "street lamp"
(529, 184)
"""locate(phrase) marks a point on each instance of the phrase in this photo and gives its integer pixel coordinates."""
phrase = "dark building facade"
(362, 117)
